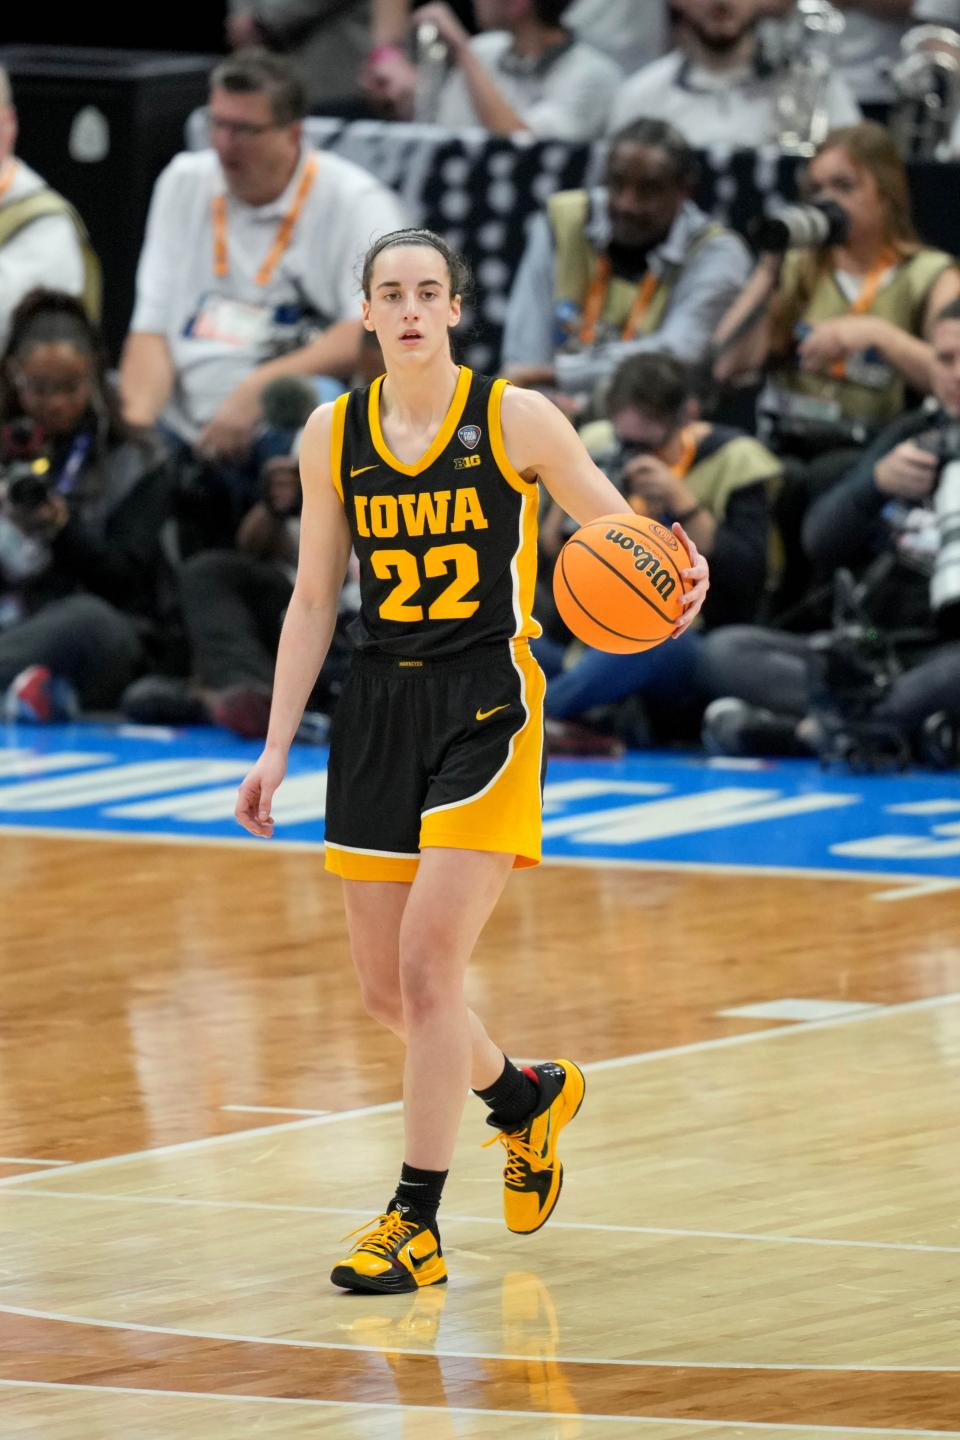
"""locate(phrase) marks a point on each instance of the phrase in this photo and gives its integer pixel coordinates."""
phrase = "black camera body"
(942, 441)
(27, 484)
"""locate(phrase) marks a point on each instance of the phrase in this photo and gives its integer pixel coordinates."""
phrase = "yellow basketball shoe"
(397, 1253)
(533, 1174)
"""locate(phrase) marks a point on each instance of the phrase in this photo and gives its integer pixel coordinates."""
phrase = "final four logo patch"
(470, 435)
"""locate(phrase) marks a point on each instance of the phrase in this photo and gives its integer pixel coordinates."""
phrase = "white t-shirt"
(242, 323)
(734, 109)
(45, 252)
(632, 32)
(568, 99)
(863, 49)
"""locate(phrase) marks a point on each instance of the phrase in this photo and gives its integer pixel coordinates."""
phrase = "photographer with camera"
(233, 603)
(895, 522)
(670, 465)
(835, 317)
(84, 499)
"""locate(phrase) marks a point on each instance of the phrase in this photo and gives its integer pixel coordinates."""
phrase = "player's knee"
(425, 981)
(384, 1004)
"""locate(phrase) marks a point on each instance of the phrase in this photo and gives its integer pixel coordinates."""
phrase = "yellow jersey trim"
(440, 441)
(336, 443)
(503, 463)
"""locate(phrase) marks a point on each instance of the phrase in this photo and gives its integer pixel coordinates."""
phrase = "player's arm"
(309, 623)
(542, 444)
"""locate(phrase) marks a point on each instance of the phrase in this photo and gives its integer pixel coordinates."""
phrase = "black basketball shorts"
(435, 753)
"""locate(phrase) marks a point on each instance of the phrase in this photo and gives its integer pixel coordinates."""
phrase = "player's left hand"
(698, 577)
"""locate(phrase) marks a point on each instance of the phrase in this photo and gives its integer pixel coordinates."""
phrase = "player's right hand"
(256, 794)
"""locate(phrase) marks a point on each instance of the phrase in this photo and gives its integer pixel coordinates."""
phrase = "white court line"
(279, 846)
(553, 1415)
(231, 1135)
(931, 886)
(453, 1218)
(272, 1110)
(228, 1337)
(644, 1057)
(29, 1160)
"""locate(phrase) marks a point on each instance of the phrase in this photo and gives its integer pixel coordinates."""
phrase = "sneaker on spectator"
(938, 743)
(732, 727)
(38, 697)
(244, 709)
(569, 737)
(163, 700)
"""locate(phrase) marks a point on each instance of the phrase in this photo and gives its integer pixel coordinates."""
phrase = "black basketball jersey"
(448, 546)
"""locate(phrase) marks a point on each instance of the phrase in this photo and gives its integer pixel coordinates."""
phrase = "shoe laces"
(385, 1235)
(519, 1154)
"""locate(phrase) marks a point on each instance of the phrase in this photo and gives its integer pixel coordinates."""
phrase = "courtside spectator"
(85, 500)
(525, 72)
(715, 86)
(879, 523)
(673, 466)
(629, 266)
(839, 329)
(43, 241)
(248, 272)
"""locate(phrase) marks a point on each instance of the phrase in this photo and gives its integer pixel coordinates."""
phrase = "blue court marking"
(656, 807)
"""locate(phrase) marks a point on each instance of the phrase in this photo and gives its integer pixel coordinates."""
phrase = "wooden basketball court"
(759, 1232)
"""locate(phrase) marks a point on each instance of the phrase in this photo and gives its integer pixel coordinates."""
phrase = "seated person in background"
(632, 34)
(43, 241)
(881, 509)
(840, 329)
(630, 266)
(326, 40)
(671, 466)
(715, 86)
(525, 72)
(84, 502)
(248, 271)
(233, 603)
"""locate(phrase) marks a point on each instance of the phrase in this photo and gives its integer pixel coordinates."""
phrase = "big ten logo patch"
(465, 462)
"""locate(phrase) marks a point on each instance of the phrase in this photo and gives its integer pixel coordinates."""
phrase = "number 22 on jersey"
(450, 604)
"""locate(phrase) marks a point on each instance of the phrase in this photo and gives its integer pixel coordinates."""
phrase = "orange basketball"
(618, 585)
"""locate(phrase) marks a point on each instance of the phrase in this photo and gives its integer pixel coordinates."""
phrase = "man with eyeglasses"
(43, 241)
(248, 273)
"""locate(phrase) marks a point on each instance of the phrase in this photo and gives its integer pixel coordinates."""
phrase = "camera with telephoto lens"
(799, 227)
(944, 443)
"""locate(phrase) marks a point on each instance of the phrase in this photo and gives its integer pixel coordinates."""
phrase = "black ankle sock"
(511, 1098)
(420, 1190)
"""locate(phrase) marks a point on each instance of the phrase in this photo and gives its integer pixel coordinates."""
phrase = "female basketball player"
(434, 789)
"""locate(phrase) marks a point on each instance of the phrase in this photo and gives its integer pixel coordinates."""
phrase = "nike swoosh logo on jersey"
(485, 714)
(361, 470)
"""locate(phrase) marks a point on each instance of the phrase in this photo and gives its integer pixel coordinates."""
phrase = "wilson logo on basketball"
(661, 580)
(667, 536)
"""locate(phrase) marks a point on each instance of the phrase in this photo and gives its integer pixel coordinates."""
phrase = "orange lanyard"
(281, 241)
(596, 298)
(7, 180)
(680, 468)
(865, 298)
(688, 453)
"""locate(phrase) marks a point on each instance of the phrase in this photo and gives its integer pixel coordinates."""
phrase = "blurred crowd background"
(721, 235)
